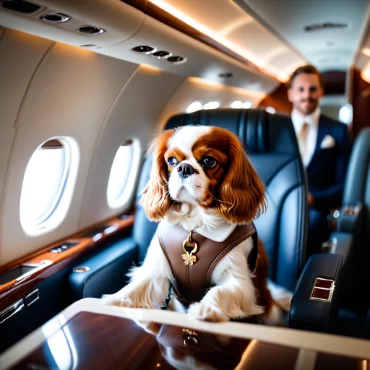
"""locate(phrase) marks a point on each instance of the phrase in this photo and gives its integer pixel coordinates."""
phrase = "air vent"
(226, 75)
(89, 46)
(90, 30)
(325, 26)
(55, 18)
(161, 54)
(145, 49)
(176, 59)
(19, 6)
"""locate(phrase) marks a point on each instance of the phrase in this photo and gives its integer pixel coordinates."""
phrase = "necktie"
(302, 139)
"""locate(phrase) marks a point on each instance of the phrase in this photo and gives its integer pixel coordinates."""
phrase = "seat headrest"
(259, 130)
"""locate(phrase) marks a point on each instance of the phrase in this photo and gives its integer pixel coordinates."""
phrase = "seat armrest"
(351, 218)
(313, 304)
(105, 272)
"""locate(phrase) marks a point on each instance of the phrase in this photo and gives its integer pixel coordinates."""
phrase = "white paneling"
(119, 20)
(194, 89)
(70, 95)
(327, 49)
(20, 55)
(134, 115)
(202, 60)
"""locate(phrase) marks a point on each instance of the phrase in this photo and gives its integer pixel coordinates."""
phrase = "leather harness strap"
(192, 281)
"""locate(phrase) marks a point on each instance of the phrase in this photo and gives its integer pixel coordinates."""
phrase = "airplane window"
(122, 174)
(47, 185)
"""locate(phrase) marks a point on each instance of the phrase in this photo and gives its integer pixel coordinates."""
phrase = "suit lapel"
(323, 129)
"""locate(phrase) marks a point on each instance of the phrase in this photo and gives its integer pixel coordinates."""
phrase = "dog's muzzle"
(185, 170)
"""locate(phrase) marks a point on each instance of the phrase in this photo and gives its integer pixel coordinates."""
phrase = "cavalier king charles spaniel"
(205, 194)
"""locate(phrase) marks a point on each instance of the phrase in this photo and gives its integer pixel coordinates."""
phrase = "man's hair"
(307, 69)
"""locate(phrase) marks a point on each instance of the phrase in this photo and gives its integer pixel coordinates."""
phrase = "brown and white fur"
(202, 180)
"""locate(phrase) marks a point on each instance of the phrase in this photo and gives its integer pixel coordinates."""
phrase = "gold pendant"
(189, 257)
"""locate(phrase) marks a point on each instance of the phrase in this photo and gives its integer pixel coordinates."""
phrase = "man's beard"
(308, 110)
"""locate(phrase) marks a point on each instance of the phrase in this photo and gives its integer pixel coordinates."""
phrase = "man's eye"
(172, 161)
(208, 162)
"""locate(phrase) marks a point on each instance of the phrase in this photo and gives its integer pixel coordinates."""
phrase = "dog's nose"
(185, 170)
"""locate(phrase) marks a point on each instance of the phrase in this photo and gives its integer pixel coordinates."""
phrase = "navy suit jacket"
(327, 169)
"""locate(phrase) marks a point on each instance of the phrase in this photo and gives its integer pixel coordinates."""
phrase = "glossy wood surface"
(360, 98)
(277, 99)
(15, 290)
(96, 341)
(161, 15)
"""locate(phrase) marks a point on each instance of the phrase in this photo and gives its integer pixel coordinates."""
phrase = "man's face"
(305, 93)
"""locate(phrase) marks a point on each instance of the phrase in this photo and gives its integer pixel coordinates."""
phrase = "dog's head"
(204, 166)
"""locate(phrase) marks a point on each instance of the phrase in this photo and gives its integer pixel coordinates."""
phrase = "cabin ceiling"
(269, 33)
(327, 48)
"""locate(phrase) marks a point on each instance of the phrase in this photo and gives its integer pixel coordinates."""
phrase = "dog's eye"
(209, 162)
(172, 161)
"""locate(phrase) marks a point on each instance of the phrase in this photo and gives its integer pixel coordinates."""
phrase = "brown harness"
(192, 267)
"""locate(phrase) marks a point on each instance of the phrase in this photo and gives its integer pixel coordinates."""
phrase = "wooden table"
(90, 335)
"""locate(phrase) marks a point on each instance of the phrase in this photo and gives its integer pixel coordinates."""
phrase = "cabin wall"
(54, 89)
(278, 99)
(69, 91)
(360, 99)
(197, 90)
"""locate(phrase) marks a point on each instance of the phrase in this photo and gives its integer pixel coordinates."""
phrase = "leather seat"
(272, 146)
(354, 299)
(348, 264)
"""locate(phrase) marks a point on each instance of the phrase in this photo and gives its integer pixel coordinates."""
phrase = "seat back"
(357, 184)
(271, 144)
(357, 190)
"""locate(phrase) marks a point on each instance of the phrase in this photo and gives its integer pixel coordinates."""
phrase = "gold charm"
(188, 257)
(190, 338)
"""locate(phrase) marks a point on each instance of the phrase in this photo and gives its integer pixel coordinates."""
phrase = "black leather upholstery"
(271, 142)
(107, 270)
(355, 290)
(272, 147)
(312, 314)
(347, 313)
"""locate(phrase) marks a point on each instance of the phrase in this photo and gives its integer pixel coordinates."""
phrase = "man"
(325, 148)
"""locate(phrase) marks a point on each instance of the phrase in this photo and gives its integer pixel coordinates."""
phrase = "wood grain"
(360, 98)
(277, 99)
(13, 290)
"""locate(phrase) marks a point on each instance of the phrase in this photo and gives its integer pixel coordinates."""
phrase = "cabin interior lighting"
(211, 105)
(194, 106)
(212, 34)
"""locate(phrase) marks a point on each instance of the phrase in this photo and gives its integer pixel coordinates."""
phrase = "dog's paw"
(207, 312)
(117, 300)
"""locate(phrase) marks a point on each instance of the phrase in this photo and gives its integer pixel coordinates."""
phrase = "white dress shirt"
(312, 121)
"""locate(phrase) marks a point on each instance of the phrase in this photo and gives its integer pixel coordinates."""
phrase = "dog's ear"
(156, 199)
(242, 193)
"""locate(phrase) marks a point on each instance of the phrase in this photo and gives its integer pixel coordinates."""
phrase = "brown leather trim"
(13, 290)
(161, 243)
(192, 281)
(226, 250)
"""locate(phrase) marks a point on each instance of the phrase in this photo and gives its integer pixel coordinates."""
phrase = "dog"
(204, 193)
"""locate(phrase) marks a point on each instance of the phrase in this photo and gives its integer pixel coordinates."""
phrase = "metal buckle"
(322, 290)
